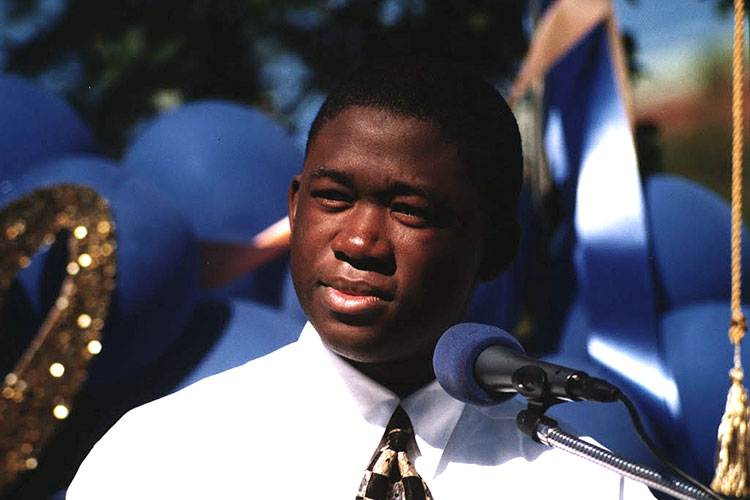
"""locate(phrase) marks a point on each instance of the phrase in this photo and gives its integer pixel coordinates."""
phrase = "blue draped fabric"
(611, 328)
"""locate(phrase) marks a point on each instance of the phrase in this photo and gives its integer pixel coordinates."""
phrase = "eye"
(332, 199)
(412, 215)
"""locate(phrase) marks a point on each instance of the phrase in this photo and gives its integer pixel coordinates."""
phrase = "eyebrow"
(403, 189)
(398, 188)
(336, 175)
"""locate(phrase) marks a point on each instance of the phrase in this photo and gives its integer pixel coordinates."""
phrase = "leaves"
(132, 51)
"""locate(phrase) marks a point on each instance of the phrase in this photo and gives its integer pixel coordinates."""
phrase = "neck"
(403, 376)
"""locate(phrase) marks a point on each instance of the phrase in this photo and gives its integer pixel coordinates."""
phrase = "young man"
(405, 201)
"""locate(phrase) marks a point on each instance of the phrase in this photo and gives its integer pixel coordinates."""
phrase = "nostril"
(385, 266)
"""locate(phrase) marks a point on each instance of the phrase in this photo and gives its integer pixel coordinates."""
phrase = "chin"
(373, 345)
(359, 343)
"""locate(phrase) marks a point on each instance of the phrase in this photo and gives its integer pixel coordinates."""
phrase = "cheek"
(309, 229)
(440, 270)
(304, 274)
(306, 244)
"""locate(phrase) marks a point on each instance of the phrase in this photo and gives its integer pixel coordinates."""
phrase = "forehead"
(362, 140)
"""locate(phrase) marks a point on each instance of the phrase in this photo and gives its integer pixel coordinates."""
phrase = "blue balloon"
(227, 167)
(157, 264)
(699, 356)
(690, 228)
(36, 126)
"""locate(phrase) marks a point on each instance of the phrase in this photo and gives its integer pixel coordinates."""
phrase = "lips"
(354, 297)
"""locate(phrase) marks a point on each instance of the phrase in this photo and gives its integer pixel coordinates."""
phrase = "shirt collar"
(434, 415)
(433, 412)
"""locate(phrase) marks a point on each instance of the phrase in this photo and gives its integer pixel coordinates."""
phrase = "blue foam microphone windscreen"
(456, 353)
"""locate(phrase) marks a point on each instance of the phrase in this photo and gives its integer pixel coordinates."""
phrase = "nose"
(362, 240)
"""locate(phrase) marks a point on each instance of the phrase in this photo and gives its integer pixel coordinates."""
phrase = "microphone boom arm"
(533, 423)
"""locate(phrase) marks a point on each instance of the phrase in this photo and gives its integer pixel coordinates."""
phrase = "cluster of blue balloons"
(210, 170)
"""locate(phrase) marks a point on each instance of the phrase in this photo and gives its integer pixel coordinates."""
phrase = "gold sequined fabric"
(38, 393)
(391, 474)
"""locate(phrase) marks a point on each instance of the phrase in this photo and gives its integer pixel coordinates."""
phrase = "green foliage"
(723, 6)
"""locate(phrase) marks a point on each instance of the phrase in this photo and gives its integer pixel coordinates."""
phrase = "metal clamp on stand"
(533, 423)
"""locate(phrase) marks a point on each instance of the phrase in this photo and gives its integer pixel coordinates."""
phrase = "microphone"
(484, 365)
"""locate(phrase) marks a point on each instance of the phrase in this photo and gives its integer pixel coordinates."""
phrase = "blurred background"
(681, 68)
(120, 62)
(189, 118)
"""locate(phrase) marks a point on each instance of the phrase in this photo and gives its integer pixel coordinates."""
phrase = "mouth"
(354, 297)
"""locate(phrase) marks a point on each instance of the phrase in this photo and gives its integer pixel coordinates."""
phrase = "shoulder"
(229, 390)
(174, 436)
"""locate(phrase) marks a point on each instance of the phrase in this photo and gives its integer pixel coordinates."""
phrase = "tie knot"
(399, 430)
(399, 420)
(398, 439)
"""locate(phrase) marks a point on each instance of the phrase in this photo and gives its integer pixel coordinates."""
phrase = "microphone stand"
(542, 429)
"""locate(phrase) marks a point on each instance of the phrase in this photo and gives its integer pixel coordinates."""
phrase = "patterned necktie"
(391, 475)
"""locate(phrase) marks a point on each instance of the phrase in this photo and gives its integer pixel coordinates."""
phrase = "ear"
(292, 198)
(500, 248)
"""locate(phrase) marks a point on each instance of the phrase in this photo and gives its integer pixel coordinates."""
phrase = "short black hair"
(467, 111)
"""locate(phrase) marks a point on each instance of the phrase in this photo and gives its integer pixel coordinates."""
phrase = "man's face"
(386, 236)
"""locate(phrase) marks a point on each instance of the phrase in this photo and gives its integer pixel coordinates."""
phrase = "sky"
(671, 35)
(661, 24)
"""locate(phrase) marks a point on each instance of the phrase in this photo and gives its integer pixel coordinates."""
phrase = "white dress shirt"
(301, 423)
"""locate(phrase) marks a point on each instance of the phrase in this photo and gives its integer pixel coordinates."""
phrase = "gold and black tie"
(391, 475)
